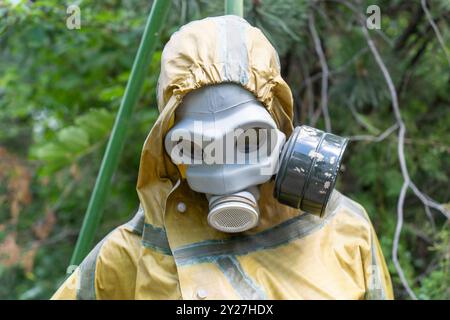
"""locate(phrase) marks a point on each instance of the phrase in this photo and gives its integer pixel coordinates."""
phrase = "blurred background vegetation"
(60, 90)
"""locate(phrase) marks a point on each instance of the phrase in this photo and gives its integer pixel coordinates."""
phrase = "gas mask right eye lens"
(250, 140)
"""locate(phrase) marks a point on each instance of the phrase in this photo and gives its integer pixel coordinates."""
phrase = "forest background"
(385, 86)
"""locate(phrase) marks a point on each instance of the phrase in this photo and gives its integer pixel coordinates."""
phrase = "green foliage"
(60, 90)
(75, 141)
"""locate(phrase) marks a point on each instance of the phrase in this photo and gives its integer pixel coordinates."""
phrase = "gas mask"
(230, 145)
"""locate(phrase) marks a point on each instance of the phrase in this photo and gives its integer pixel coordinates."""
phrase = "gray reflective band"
(86, 284)
(155, 238)
(283, 233)
(375, 288)
(233, 49)
(152, 237)
(246, 288)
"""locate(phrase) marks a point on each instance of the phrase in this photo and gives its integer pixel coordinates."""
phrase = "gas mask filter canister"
(308, 169)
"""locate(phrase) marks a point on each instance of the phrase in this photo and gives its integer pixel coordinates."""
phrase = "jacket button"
(181, 207)
(202, 294)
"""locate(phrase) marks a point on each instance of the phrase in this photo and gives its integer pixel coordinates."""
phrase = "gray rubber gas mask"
(230, 145)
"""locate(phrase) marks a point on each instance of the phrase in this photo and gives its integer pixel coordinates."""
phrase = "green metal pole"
(235, 7)
(157, 17)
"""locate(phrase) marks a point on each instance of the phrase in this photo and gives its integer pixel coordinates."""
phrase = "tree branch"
(436, 30)
(325, 72)
(378, 138)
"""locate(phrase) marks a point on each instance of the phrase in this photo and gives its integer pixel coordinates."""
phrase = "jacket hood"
(206, 52)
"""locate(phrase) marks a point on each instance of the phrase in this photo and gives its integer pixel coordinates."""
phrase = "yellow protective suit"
(168, 250)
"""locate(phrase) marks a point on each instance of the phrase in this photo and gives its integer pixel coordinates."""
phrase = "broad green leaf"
(52, 153)
(97, 123)
(74, 139)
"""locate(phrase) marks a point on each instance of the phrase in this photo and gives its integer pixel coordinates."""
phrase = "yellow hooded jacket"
(168, 250)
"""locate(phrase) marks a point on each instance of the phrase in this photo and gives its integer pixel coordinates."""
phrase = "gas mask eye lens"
(190, 150)
(251, 140)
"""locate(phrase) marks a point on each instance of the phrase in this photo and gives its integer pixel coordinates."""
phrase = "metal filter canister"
(309, 165)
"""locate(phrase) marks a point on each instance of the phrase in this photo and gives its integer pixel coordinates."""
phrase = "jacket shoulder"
(340, 204)
(349, 222)
(109, 271)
